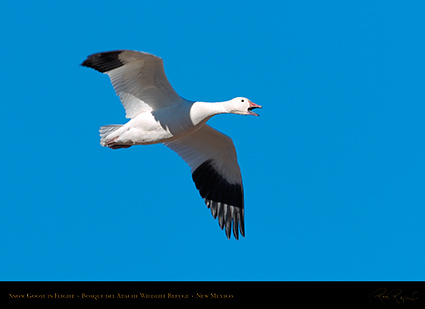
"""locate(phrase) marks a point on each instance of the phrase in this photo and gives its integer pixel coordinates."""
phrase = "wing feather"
(216, 173)
(138, 79)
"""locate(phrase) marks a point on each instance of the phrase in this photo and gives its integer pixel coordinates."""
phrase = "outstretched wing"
(138, 79)
(216, 173)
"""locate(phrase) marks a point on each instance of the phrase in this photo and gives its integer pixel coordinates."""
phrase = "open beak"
(251, 107)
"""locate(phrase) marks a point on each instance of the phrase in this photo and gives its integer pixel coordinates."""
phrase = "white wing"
(216, 173)
(138, 79)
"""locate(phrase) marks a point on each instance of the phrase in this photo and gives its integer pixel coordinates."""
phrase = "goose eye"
(242, 100)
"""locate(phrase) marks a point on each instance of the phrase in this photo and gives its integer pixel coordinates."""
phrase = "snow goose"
(159, 115)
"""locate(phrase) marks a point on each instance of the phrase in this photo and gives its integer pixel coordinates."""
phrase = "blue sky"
(333, 169)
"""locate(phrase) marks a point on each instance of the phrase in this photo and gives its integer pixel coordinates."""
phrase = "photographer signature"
(384, 296)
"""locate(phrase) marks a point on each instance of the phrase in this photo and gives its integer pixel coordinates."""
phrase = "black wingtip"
(224, 199)
(104, 62)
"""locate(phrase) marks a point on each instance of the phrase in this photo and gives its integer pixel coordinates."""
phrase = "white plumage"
(159, 115)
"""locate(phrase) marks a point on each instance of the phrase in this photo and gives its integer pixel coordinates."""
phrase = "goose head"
(242, 106)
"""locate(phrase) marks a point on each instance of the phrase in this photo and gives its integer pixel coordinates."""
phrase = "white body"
(164, 125)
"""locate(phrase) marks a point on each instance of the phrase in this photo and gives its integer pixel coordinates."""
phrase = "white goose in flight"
(159, 115)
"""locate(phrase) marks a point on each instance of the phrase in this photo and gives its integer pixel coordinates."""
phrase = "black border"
(214, 293)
